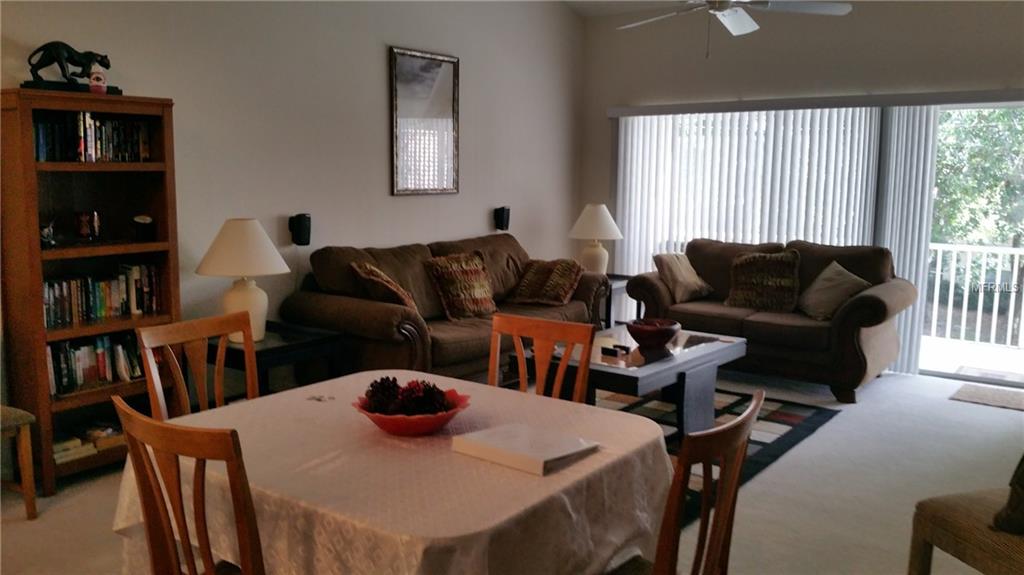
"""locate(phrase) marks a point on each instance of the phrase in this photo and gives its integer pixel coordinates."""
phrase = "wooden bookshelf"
(35, 192)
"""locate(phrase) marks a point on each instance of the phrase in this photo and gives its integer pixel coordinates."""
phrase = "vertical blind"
(904, 222)
(745, 177)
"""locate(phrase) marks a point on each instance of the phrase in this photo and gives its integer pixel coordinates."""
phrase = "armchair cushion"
(829, 290)
(462, 283)
(767, 282)
(548, 282)
(381, 287)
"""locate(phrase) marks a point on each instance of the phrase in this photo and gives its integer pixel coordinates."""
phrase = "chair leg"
(28, 480)
(920, 554)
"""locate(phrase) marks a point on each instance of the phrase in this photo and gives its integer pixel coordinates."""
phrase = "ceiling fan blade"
(685, 10)
(801, 7)
(737, 21)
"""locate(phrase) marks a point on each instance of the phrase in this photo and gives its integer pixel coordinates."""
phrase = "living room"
(282, 109)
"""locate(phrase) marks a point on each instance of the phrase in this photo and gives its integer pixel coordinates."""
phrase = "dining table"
(333, 494)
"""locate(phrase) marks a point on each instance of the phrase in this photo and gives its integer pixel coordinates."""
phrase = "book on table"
(536, 451)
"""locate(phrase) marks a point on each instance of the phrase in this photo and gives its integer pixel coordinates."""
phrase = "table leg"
(608, 310)
(639, 309)
(263, 379)
(695, 399)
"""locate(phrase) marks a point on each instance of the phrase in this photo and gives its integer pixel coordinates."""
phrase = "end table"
(618, 287)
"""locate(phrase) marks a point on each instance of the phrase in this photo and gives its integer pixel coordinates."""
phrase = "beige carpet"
(840, 502)
(991, 395)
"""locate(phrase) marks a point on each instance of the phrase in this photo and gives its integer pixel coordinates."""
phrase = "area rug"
(780, 426)
(989, 395)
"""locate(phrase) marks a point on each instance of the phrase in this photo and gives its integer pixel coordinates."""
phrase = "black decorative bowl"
(652, 335)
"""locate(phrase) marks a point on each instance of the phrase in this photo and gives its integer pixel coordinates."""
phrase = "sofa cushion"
(829, 291)
(332, 269)
(503, 257)
(765, 282)
(787, 329)
(548, 282)
(454, 342)
(871, 263)
(405, 265)
(712, 261)
(573, 311)
(380, 286)
(710, 316)
(461, 281)
(682, 280)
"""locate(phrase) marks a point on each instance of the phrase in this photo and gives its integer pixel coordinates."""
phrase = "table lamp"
(595, 224)
(243, 250)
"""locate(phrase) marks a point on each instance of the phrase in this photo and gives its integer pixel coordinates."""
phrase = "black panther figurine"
(63, 55)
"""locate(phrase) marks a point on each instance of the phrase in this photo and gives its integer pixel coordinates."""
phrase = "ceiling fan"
(732, 15)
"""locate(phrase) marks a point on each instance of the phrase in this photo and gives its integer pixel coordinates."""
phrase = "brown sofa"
(387, 335)
(853, 347)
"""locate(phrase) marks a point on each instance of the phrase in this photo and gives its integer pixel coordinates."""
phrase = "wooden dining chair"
(545, 334)
(151, 441)
(193, 337)
(726, 446)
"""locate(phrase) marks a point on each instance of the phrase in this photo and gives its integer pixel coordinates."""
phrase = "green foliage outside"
(980, 177)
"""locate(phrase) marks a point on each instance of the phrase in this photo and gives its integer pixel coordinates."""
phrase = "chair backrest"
(193, 337)
(725, 445)
(545, 334)
(159, 486)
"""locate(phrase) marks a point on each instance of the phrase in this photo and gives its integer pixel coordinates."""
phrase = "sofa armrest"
(877, 303)
(652, 292)
(361, 318)
(592, 290)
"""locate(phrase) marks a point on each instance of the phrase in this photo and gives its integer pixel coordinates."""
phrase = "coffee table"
(686, 375)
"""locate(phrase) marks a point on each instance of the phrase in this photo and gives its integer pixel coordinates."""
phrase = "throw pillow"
(461, 281)
(548, 282)
(830, 290)
(766, 282)
(1011, 517)
(380, 286)
(680, 277)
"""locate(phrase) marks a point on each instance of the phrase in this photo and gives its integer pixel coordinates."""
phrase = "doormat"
(990, 395)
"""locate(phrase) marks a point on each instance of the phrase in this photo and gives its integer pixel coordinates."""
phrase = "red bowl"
(652, 334)
(413, 425)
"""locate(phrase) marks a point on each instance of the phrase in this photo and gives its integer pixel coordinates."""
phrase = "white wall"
(283, 108)
(879, 48)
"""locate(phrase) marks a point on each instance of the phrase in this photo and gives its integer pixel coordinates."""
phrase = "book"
(65, 443)
(84, 450)
(536, 451)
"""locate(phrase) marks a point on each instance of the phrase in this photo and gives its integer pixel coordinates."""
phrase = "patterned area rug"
(780, 426)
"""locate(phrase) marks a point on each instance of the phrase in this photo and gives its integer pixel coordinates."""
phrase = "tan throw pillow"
(381, 287)
(461, 281)
(765, 282)
(548, 282)
(830, 290)
(680, 277)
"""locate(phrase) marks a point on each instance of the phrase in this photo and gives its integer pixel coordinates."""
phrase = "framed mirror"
(424, 123)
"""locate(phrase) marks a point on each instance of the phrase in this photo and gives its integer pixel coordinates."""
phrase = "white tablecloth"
(334, 494)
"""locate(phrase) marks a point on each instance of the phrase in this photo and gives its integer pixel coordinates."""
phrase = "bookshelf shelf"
(37, 126)
(104, 326)
(102, 250)
(105, 457)
(97, 393)
(101, 166)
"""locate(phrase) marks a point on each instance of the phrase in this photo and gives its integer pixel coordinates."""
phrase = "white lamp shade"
(242, 249)
(595, 223)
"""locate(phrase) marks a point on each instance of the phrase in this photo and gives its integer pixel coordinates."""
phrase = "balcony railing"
(974, 293)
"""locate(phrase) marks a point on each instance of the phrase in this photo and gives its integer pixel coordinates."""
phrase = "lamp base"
(245, 295)
(594, 258)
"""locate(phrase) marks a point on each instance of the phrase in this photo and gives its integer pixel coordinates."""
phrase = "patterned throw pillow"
(766, 282)
(381, 287)
(548, 283)
(461, 281)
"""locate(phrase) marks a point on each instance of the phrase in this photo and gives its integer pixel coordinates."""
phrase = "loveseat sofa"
(854, 346)
(388, 335)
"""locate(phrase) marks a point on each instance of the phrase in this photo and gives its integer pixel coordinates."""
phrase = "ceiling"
(592, 9)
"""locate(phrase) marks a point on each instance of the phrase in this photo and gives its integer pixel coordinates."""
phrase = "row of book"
(87, 441)
(135, 291)
(83, 138)
(104, 359)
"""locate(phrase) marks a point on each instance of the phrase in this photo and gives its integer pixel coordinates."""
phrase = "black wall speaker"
(299, 225)
(501, 217)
